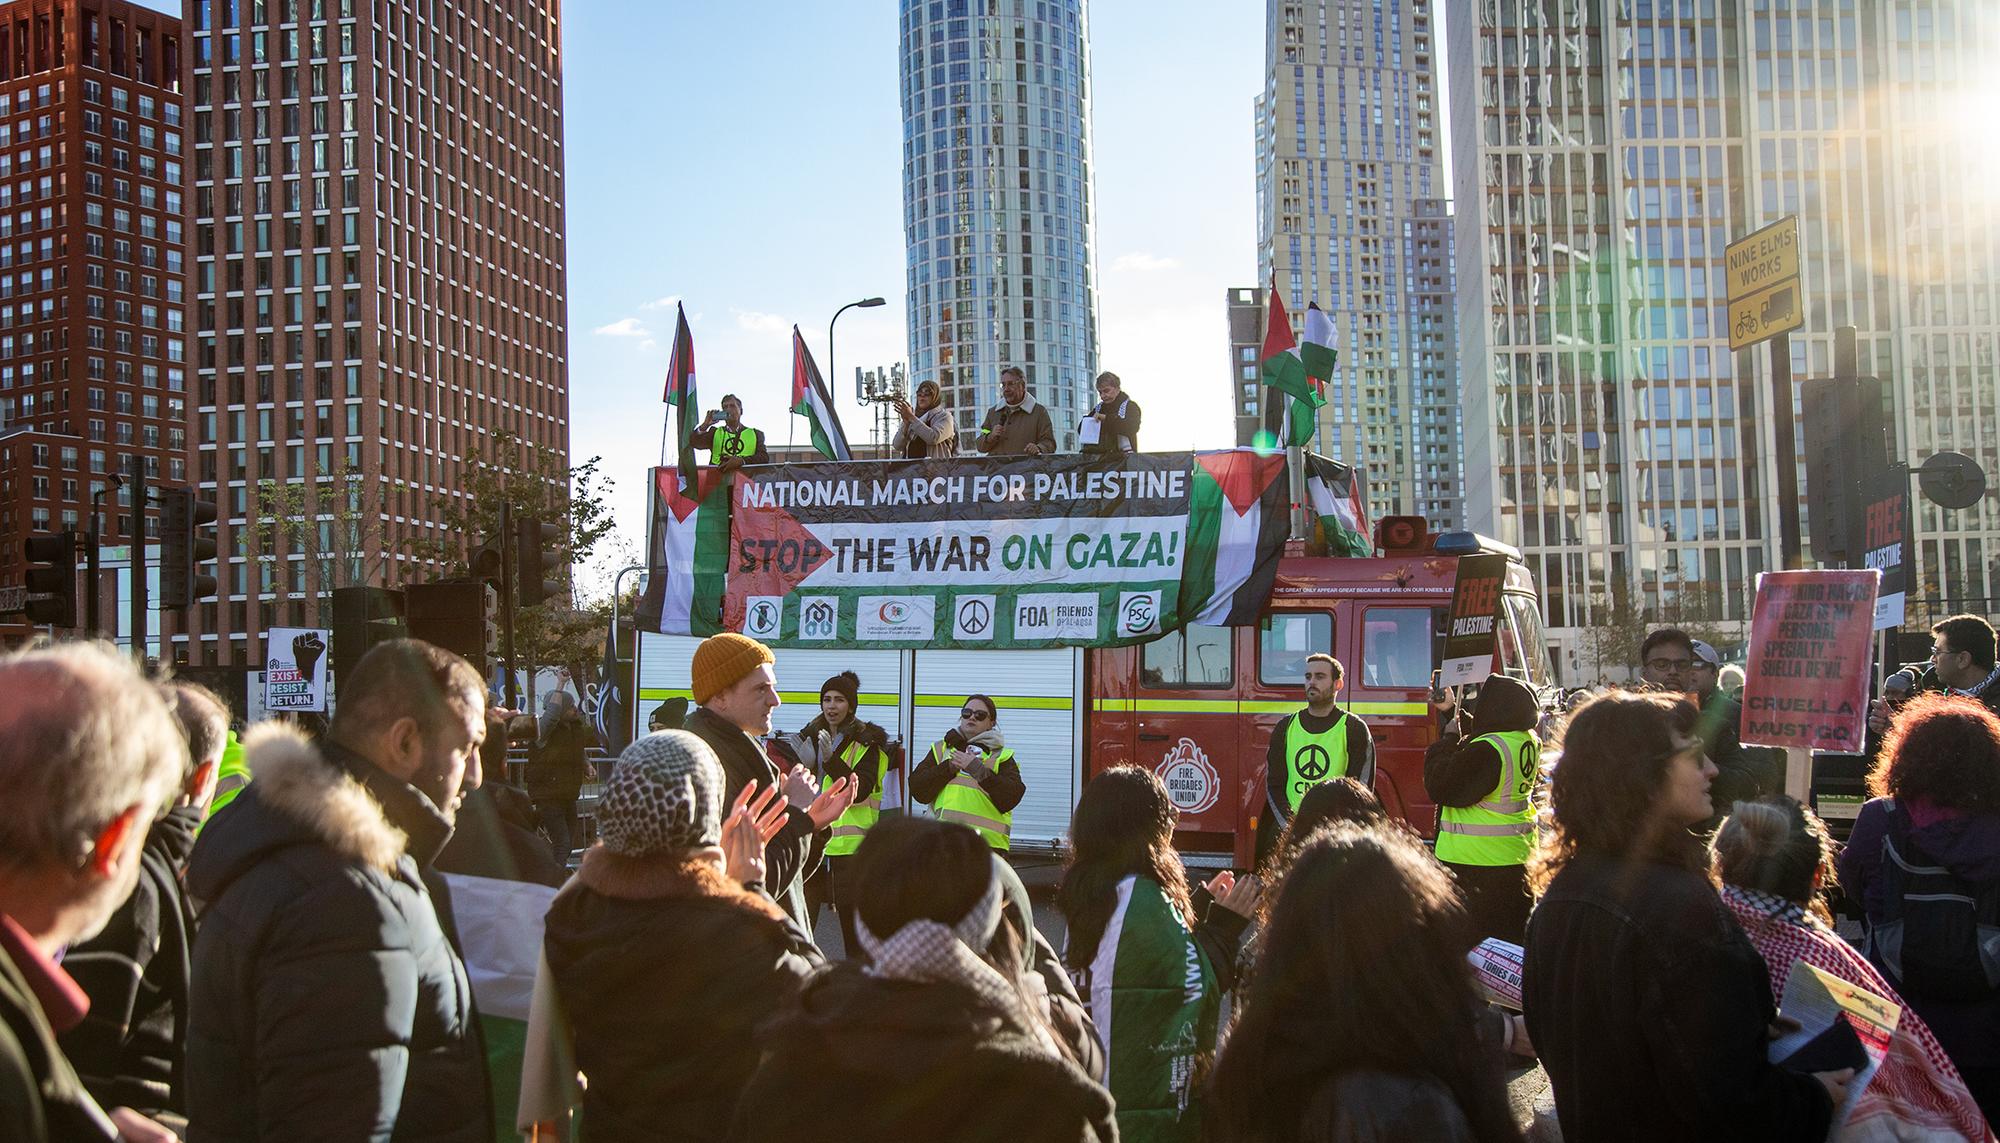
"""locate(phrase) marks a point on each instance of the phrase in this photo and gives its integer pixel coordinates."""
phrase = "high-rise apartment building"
(1347, 146)
(378, 279)
(1436, 429)
(1244, 309)
(997, 207)
(92, 298)
(1605, 153)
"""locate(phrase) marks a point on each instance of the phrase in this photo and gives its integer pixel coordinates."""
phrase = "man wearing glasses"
(1962, 654)
(970, 777)
(1672, 660)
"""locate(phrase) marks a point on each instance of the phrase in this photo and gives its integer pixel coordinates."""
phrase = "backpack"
(1939, 936)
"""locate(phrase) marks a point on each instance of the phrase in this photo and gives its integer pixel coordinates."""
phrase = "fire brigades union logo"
(1191, 780)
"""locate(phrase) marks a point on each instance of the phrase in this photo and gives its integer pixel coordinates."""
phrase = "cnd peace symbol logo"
(732, 445)
(974, 616)
(1312, 762)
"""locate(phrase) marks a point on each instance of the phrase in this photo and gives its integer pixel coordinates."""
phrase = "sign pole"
(136, 480)
(1790, 554)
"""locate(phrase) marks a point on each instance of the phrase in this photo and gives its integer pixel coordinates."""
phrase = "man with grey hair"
(327, 1001)
(88, 759)
(129, 1048)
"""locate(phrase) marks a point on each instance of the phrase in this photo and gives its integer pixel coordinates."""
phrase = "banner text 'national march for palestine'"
(976, 552)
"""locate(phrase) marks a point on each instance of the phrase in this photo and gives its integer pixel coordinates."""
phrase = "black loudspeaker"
(363, 617)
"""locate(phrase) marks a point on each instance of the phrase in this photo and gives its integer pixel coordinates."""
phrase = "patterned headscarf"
(664, 794)
(931, 951)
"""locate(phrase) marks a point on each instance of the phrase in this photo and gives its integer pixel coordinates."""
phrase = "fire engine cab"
(1197, 705)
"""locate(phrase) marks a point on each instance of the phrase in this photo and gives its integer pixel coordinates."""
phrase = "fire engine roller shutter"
(1035, 691)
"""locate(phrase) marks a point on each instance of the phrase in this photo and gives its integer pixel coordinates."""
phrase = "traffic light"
(487, 564)
(463, 618)
(538, 561)
(52, 579)
(183, 549)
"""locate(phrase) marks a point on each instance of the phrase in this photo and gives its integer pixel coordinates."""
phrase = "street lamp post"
(833, 378)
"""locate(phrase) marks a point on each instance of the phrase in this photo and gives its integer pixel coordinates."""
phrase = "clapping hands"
(1239, 895)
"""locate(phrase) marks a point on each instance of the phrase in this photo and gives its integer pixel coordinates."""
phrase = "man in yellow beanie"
(737, 690)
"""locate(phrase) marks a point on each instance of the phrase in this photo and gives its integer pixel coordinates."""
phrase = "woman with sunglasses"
(970, 777)
(1651, 1010)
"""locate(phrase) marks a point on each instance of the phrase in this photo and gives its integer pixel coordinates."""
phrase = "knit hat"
(846, 683)
(722, 660)
(664, 794)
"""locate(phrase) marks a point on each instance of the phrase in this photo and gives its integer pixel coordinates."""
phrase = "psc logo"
(893, 611)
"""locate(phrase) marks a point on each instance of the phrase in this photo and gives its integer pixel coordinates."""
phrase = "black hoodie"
(864, 1058)
(1460, 771)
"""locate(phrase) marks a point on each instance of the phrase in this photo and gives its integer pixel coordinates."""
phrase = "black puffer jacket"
(888, 1060)
(665, 969)
(327, 1003)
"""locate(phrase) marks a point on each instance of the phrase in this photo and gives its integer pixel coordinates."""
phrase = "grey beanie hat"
(664, 794)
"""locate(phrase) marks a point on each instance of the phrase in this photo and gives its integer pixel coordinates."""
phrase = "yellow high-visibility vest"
(963, 801)
(1500, 829)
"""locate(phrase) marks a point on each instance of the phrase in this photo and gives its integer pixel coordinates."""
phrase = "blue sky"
(746, 160)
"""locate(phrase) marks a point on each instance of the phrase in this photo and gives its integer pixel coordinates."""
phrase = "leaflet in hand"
(1496, 964)
(1816, 998)
(1088, 432)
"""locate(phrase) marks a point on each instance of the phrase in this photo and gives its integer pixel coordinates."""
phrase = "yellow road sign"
(1773, 310)
(1762, 259)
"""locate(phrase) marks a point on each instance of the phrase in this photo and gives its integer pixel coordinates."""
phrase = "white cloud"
(648, 344)
(666, 303)
(757, 322)
(624, 327)
(1140, 262)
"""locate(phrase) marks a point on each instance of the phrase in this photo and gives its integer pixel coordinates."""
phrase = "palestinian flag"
(500, 937)
(1285, 370)
(1340, 498)
(680, 396)
(1238, 520)
(689, 557)
(811, 401)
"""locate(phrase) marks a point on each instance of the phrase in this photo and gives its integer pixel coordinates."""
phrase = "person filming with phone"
(927, 430)
(731, 444)
(970, 776)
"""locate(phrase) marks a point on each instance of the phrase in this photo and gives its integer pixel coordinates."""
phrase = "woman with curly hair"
(1776, 859)
(1152, 959)
(1649, 1007)
(1928, 841)
(1315, 1059)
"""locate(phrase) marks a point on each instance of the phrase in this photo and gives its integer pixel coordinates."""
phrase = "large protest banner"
(1810, 642)
(970, 552)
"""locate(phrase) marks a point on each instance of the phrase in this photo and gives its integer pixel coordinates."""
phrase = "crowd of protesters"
(292, 967)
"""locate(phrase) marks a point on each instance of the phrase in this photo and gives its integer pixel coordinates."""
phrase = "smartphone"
(715, 414)
(1437, 688)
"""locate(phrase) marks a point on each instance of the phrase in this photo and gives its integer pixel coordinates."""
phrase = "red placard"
(1810, 641)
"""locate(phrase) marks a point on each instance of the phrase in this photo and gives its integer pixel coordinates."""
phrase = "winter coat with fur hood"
(665, 967)
(326, 1002)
